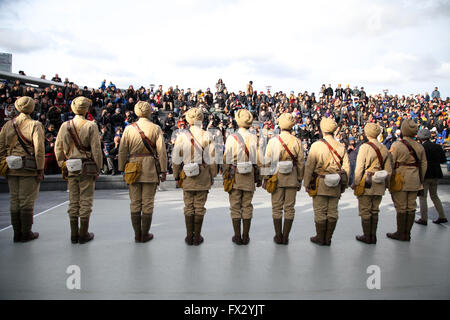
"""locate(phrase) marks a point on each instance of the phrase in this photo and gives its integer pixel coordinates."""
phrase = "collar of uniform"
(23, 116)
(285, 133)
(142, 120)
(372, 139)
(242, 131)
(329, 137)
(195, 128)
(77, 116)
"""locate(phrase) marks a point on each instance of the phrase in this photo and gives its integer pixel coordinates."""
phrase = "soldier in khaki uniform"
(284, 196)
(133, 149)
(321, 162)
(81, 142)
(236, 148)
(195, 145)
(412, 171)
(23, 183)
(367, 163)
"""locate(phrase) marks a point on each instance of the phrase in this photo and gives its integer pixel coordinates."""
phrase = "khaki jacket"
(275, 152)
(184, 152)
(89, 136)
(33, 131)
(367, 157)
(320, 161)
(235, 153)
(131, 144)
(400, 154)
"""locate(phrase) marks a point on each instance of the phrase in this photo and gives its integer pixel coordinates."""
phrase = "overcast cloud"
(290, 45)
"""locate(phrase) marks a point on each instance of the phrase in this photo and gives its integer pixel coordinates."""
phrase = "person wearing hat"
(327, 167)
(241, 160)
(78, 148)
(194, 169)
(435, 156)
(23, 138)
(284, 157)
(148, 152)
(410, 164)
(372, 157)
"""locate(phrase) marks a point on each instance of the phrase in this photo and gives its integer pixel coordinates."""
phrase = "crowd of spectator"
(113, 110)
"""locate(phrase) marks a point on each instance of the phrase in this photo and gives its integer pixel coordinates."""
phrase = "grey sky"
(290, 45)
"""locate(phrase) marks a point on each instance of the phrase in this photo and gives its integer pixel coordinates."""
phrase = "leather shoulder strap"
(195, 144)
(239, 139)
(74, 135)
(333, 153)
(22, 140)
(287, 150)
(411, 151)
(147, 143)
(380, 157)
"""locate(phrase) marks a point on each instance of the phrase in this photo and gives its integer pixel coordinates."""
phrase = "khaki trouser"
(404, 201)
(194, 202)
(431, 186)
(23, 192)
(325, 208)
(283, 199)
(81, 195)
(241, 204)
(142, 197)
(369, 206)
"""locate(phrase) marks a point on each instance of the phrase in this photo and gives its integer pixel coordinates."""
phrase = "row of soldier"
(143, 159)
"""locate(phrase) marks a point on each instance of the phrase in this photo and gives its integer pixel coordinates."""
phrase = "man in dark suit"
(435, 156)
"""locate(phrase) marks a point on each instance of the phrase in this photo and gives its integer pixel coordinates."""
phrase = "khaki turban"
(286, 121)
(328, 125)
(244, 118)
(194, 115)
(142, 109)
(372, 130)
(25, 105)
(409, 128)
(80, 105)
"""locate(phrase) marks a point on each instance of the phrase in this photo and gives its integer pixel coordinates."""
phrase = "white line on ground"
(37, 215)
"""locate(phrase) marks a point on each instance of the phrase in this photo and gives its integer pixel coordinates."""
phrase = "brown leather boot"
(246, 232)
(189, 221)
(278, 238)
(286, 230)
(401, 227)
(366, 226)
(319, 238)
(198, 222)
(331, 225)
(237, 231)
(136, 223)
(74, 235)
(26, 218)
(409, 224)
(373, 229)
(17, 226)
(85, 236)
(146, 222)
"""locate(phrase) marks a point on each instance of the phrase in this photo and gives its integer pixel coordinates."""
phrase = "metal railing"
(27, 80)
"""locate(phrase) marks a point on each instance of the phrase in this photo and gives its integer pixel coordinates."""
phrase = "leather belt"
(406, 165)
(138, 155)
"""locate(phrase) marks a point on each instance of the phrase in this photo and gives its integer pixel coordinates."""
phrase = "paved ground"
(114, 267)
